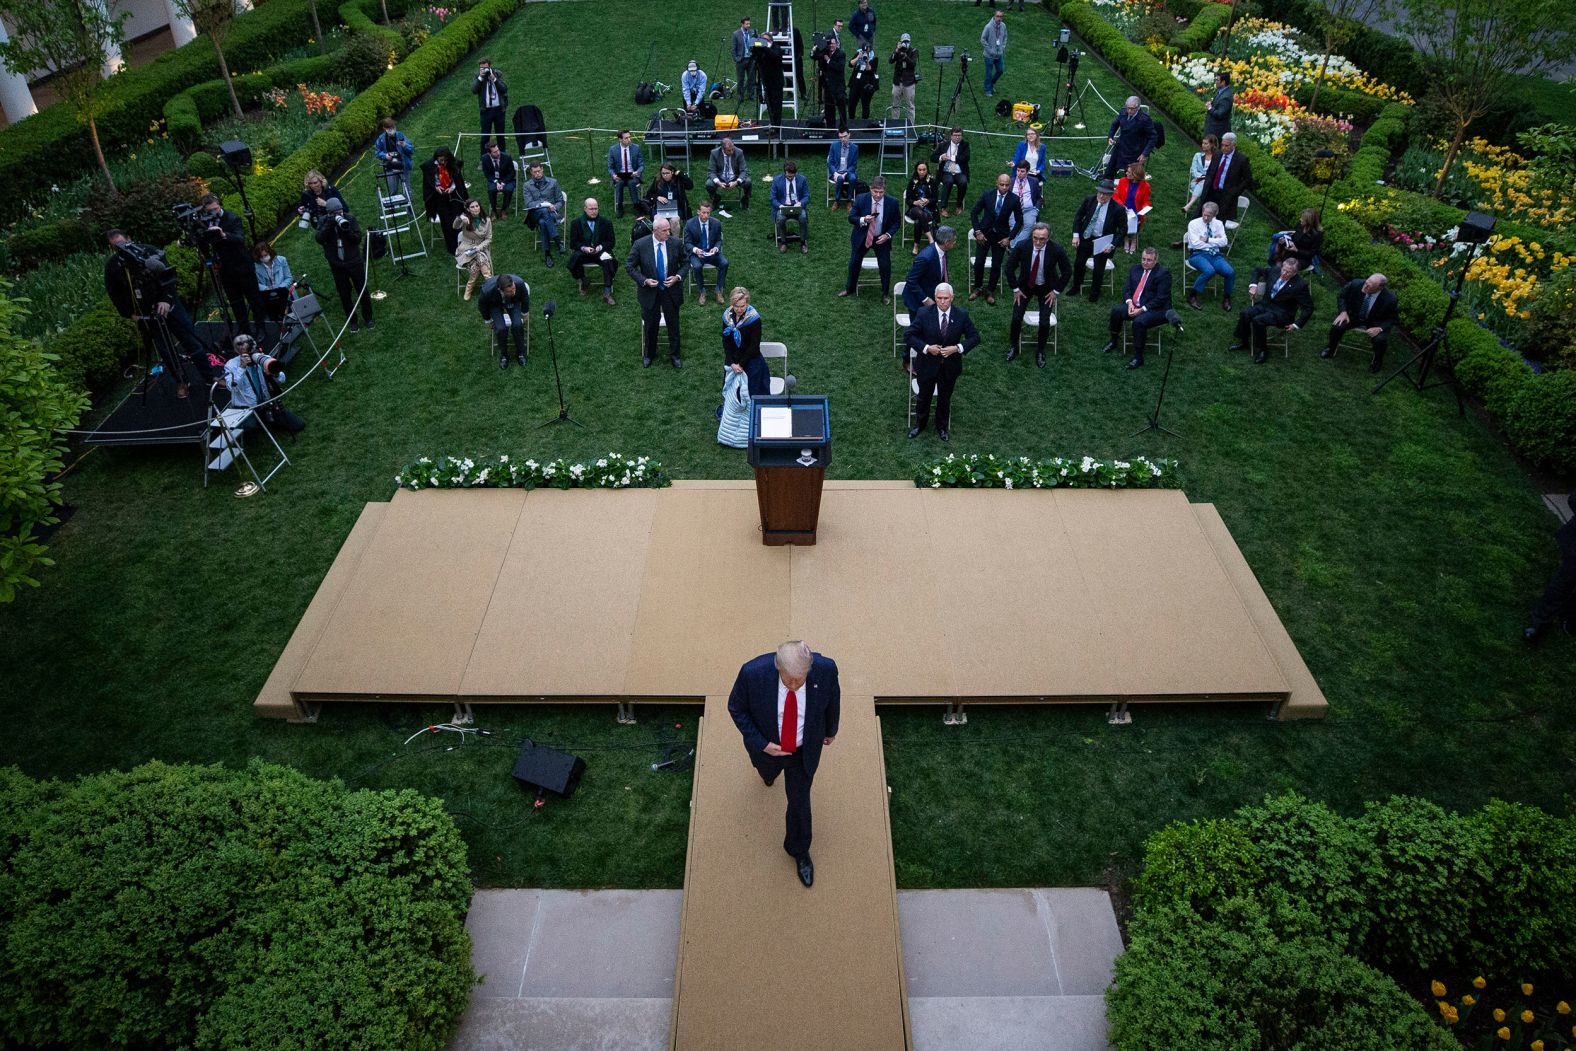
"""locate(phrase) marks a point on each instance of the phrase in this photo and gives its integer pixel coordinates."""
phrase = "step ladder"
(894, 163)
(779, 23)
(397, 220)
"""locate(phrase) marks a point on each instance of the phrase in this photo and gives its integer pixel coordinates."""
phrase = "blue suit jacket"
(753, 706)
(891, 215)
(922, 279)
(853, 159)
(615, 160)
(780, 192)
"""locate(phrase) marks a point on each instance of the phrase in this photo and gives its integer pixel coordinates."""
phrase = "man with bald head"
(1132, 136)
(786, 706)
(591, 244)
(1370, 308)
(656, 264)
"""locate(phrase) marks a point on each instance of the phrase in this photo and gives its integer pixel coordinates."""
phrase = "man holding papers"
(1099, 222)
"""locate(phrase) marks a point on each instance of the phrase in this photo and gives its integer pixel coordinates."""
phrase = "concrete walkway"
(1012, 970)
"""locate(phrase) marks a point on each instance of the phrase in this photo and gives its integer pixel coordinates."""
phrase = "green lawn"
(1400, 543)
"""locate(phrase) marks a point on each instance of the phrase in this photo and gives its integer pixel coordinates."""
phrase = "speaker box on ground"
(547, 768)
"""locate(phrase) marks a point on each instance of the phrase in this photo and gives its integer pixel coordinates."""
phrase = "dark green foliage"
(144, 210)
(1522, 924)
(213, 908)
(1418, 169)
(1201, 31)
(48, 243)
(1197, 865)
(362, 59)
(1311, 854)
(358, 22)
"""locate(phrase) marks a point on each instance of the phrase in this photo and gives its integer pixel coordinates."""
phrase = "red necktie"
(1138, 293)
(1034, 271)
(790, 733)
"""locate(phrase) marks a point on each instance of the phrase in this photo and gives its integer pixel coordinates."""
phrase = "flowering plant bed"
(974, 471)
(613, 471)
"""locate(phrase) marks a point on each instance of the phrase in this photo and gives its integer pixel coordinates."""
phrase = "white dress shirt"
(1201, 235)
(782, 701)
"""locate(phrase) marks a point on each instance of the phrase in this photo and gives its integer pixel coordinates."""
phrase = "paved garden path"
(1012, 970)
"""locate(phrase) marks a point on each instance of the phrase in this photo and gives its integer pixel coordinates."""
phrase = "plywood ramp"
(764, 963)
(1304, 700)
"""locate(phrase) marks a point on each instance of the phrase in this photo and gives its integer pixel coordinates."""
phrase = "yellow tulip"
(1526, 988)
(1499, 1014)
(1526, 1017)
(1503, 1032)
(1563, 1008)
(1437, 988)
(1469, 999)
(1537, 1045)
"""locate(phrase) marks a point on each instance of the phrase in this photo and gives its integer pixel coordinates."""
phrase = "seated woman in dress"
(1301, 244)
(919, 203)
(1197, 170)
(1132, 193)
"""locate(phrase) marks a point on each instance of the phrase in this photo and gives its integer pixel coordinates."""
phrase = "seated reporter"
(789, 192)
(728, 169)
(443, 192)
(1132, 191)
(842, 169)
(340, 235)
(274, 280)
(252, 378)
(875, 217)
(1287, 303)
(498, 172)
(1037, 269)
(919, 203)
(1370, 308)
(591, 243)
(1029, 189)
(1206, 252)
(1301, 244)
(940, 335)
(474, 252)
(504, 302)
(951, 159)
(668, 196)
(703, 235)
(543, 203)
(1145, 300)
(1098, 216)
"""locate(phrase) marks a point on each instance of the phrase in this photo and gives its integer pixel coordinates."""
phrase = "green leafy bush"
(35, 404)
(1200, 32)
(212, 908)
(48, 243)
(186, 113)
(362, 60)
(1308, 136)
(58, 292)
(1197, 865)
(145, 209)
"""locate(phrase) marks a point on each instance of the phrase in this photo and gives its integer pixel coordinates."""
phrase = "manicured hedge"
(184, 113)
(1201, 31)
(195, 906)
(358, 20)
(50, 145)
(1278, 927)
(1548, 440)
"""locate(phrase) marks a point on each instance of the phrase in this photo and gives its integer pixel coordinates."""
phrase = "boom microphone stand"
(552, 346)
(1154, 423)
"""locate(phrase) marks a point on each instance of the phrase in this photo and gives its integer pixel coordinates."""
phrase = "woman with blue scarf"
(741, 342)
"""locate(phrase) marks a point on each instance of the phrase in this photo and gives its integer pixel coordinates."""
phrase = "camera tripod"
(957, 95)
(157, 341)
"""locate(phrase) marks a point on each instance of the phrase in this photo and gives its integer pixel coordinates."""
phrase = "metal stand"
(1424, 359)
(1118, 714)
(464, 715)
(1154, 423)
(954, 715)
(626, 713)
(552, 346)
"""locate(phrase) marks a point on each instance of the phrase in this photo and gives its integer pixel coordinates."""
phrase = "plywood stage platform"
(1062, 596)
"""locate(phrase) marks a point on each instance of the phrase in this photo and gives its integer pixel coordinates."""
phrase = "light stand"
(1057, 116)
(941, 54)
(237, 155)
(1325, 158)
(1154, 423)
(552, 346)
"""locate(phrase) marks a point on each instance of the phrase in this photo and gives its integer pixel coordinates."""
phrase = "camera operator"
(834, 81)
(225, 243)
(142, 285)
(396, 154)
(340, 235)
(905, 74)
(769, 74)
(252, 378)
(863, 82)
(492, 94)
(316, 192)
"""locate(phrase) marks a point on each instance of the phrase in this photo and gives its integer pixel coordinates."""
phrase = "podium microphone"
(789, 383)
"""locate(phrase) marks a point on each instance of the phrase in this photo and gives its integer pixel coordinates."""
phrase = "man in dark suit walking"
(928, 271)
(786, 706)
(1037, 270)
(997, 218)
(1370, 307)
(1098, 216)
(939, 337)
(1283, 293)
(1145, 300)
(875, 218)
(1132, 136)
(656, 264)
(1229, 177)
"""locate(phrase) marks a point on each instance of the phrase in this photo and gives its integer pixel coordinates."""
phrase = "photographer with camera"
(769, 74)
(252, 379)
(905, 74)
(693, 86)
(864, 80)
(340, 235)
(224, 241)
(316, 192)
(396, 153)
(833, 65)
(492, 95)
(141, 284)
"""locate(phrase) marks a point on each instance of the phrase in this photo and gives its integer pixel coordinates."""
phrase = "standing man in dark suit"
(492, 94)
(1098, 216)
(997, 217)
(787, 706)
(743, 64)
(227, 243)
(1217, 116)
(1132, 136)
(1371, 308)
(1037, 270)
(940, 335)
(834, 83)
(875, 218)
(769, 74)
(1283, 293)
(928, 271)
(1145, 300)
(591, 238)
(1229, 177)
(656, 264)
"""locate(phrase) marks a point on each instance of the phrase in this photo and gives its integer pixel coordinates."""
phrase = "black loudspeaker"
(237, 154)
(548, 769)
(1475, 228)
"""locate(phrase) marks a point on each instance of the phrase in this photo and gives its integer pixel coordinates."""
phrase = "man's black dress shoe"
(944, 434)
(1258, 359)
(1110, 345)
(1012, 355)
(1136, 363)
(913, 432)
(503, 361)
(1225, 304)
(806, 871)
(645, 363)
(1039, 359)
(520, 358)
(1326, 353)
(1235, 346)
(1192, 301)
(677, 361)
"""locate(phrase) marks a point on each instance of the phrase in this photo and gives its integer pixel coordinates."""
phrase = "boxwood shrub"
(196, 906)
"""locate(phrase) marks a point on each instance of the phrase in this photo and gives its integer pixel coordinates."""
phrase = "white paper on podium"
(776, 421)
(1103, 244)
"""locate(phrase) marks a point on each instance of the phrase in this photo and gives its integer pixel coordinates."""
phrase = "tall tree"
(317, 28)
(1339, 22)
(1476, 49)
(212, 19)
(74, 39)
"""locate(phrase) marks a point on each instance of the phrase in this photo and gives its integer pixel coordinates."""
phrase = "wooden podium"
(790, 446)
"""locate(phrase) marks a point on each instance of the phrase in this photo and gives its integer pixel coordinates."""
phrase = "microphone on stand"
(1174, 320)
(549, 308)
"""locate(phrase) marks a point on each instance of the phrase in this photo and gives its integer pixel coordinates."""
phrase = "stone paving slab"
(1009, 1023)
(604, 1023)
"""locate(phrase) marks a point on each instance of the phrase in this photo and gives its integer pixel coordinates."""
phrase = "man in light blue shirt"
(692, 85)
